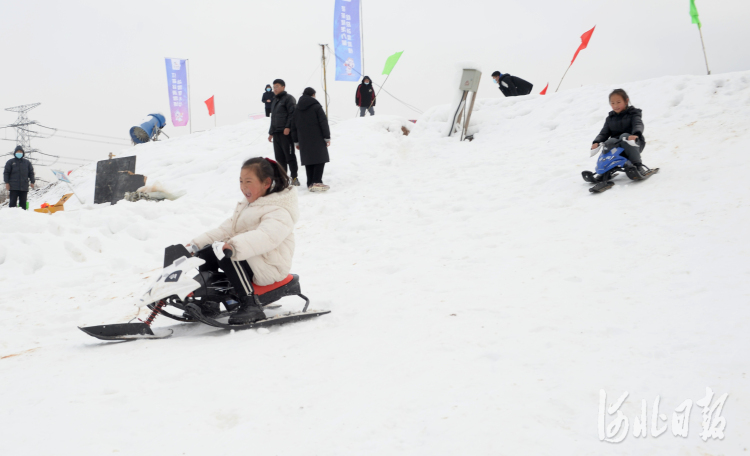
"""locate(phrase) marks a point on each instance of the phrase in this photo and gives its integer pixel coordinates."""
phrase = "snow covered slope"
(481, 296)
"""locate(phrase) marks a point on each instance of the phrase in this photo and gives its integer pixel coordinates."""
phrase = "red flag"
(584, 42)
(544, 92)
(210, 104)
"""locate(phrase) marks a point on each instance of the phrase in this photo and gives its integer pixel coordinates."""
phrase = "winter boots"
(248, 312)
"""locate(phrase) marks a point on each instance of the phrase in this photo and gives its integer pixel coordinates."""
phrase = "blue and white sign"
(347, 41)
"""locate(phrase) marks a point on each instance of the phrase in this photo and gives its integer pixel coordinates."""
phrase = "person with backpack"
(267, 99)
(312, 136)
(18, 175)
(365, 97)
(512, 86)
(282, 110)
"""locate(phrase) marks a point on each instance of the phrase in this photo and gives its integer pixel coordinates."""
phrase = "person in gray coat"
(17, 175)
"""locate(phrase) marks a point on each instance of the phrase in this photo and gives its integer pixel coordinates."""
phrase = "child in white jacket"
(260, 235)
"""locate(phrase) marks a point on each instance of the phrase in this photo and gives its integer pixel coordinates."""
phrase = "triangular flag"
(391, 62)
(694, 14)
(210, 104)
(544, 92)
(584, 42)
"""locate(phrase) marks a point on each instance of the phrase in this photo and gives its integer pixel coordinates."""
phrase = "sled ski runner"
(200, 298)
(290, 317)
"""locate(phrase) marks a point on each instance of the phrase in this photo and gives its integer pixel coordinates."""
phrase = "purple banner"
(178, 92)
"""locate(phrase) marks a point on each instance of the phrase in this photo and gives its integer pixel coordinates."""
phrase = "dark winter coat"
(267, 96)
(513, 86)
(282, 110)
(365, 94)
(18, 172)
(310, 131)
(628, 121)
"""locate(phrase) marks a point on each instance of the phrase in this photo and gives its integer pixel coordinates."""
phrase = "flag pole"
(325, 78)
(362, 33)
(704, 50)
(561, 80)
(190, 112)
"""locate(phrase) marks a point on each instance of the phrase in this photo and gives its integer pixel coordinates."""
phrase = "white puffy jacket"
(262, 233)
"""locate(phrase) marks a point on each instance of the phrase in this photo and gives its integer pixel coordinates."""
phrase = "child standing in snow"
(260, 235)
(624, 128)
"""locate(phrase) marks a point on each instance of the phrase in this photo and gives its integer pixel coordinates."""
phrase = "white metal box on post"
(469, 83)
(470, 80)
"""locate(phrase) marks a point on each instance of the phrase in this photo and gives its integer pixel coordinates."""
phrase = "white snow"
(481, 297)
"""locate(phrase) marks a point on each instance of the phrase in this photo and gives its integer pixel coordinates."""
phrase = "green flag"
(694, 14)
(393, 60)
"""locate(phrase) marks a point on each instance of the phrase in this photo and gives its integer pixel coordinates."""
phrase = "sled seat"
(267, 294)
(263, 289)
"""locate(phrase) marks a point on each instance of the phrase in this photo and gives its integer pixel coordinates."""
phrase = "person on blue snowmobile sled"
(260, 235)
(622, 128)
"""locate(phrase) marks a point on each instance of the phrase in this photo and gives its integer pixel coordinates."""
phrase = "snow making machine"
(149, 129)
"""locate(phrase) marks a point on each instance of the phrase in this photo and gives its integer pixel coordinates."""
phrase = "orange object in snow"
(58, 206)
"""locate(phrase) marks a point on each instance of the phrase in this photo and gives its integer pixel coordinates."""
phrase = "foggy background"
(98, 67)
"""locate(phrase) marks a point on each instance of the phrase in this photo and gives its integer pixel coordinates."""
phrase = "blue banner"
(178, 92)
(347, 41)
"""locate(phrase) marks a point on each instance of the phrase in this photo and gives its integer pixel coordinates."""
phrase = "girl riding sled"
(624, 128)
(259, 234)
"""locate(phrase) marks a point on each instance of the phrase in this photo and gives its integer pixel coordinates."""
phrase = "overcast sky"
(98, 66)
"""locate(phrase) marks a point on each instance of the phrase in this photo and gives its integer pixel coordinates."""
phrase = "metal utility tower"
(22, 126)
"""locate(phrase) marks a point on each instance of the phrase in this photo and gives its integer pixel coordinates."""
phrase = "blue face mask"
(268, 90)
(367, 83)
(19, 155)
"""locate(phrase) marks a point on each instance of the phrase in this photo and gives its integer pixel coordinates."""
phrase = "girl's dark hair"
(309, 92)
(266, 168)
(621, 93)
(268, 86)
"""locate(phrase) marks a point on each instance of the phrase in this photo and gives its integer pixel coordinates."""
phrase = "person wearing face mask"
(512, 86)
(17, 175)
(267, 99)
(365, 97)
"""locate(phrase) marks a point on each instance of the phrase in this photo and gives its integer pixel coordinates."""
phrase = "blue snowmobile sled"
(610, 163)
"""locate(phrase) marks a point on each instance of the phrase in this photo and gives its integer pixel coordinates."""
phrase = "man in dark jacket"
(267, 99)
(365, 97)
(17, 175)
(312, 136)
(282, 111)
(512, 86)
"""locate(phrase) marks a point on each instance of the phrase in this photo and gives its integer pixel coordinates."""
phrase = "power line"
(86, 134)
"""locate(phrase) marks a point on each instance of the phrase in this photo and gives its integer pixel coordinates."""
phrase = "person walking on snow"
(260, 235)
(267, 99)
(512, 86)
(312, 136)
(17, 175)
(282, 110)
(365, 97)
(623, 127)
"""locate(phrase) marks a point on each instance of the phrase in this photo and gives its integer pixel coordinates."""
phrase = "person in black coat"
(623, 127)
(282, 110)
(17, 175)
(312, 136)
(365, 97)
(512, 86)
(267, 99)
